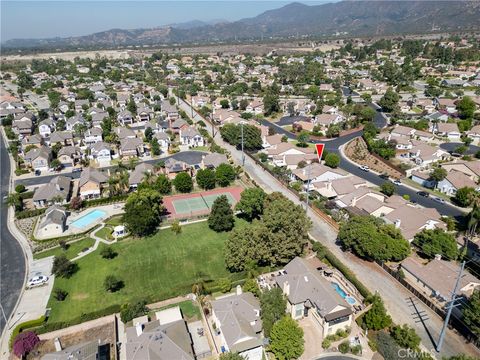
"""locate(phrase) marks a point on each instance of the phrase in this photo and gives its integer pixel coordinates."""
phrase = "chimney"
(354, 201)
(239, 290)
(139, 329)
(286, 288)
(329, 185)
(397, 223)
(438, 257)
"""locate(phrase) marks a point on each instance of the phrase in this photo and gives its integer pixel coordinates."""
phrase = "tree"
(131, 311)
(270, 103)
(63, 267)
(15, 200)
(389, 101)
(148, 134)
(369, 130)
(163, 184)
(20, 188)
(176, 228)
(155, 147)
(333, 131)
(344, 347)
(436, 241)
(252, 136)
(143, 210)
(132, 107)
(438, 174)
(183, 182)
(112, 283)
(387, 188)
(54, 98)
(206, 178)
(376, 318)
(286, 339)
(372, 239)
(60, 294)
(367, 114)
(466, 107)
(108, 253)
(225, 174)
(273, 305)
(25, 342)
(332, 160)
(405, 336)
(464, 196)
(221, 217)
(251, 203)
(303, 138)
(471, 313)
(76, 203)
(225, 285)
(275, 239)
(224, 103)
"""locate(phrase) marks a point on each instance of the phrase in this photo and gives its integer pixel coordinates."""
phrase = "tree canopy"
(332, 160)
(273, 305)
(389, 101)
(221, 217)
(436, 241)
(251, 203)
(376, 318)
(225, 174)
(471, 313)
(183, 182)
(372, 239)
(286, 339)
(143, 210)
(205, 178)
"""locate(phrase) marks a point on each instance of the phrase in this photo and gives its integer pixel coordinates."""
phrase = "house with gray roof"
(125, 118)
(53, 222)
(310, 294)
(191, 137)
(139, 174)
(237, 317)
(212, 160)
(101, 152)
(38, 158)
(91, 183)
(57, 191)
(91, 350)
(61, 137)
(75, 121)
(69, 155)
(131, 147)
(161, 339)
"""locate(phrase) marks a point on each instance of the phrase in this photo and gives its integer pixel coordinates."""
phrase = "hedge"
(25, 326)
(29, 213)
(334, 261)
(26, 195)
(103, 201)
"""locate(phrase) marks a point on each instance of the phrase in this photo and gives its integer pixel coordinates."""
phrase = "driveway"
(312, 334)
(452, 146)
(289, 120)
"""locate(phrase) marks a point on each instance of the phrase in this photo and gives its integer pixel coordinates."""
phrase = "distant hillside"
(356, 18)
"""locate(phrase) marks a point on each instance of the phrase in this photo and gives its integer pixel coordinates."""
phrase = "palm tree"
(112, 185)
(149, 177)
(15, 200)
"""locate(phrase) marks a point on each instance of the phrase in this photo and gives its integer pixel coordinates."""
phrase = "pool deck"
(110, 210)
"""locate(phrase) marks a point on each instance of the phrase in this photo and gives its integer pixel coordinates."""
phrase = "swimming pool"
(343, 294)
(88, 219)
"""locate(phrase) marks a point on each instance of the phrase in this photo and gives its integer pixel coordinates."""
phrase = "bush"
(63, 244)
(344, 347)
(112, 283)
(332, 160)
(326, 343)
(20, 188)
(405, 336)
(131, 311)
(225, 285)
(387, 347)
(183, 182)
(63, 267)
(26, 325)
(29, 213)
(108, 253)
(24, 343)
(60, 294)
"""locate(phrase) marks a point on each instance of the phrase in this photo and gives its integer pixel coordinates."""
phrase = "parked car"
(37, 281)
(37, 172)
(440, 200)
(78, 169)
(397, 182)
(364, 168)
(384, 176)
(423, 193)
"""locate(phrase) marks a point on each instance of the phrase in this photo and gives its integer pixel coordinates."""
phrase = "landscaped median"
(153, 268)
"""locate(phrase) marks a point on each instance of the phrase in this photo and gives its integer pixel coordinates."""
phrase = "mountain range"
(351, 18)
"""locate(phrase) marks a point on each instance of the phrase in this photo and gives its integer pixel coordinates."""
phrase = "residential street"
(395, 296)
(12, 261)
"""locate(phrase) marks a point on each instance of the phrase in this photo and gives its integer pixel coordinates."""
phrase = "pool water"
(343, 294)
(88, 219)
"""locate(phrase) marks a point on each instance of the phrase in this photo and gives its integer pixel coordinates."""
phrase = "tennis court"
(198, 203)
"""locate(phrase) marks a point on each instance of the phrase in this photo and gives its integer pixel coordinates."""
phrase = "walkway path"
(98, 240)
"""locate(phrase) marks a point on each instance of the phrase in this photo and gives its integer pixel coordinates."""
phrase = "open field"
(155, 268)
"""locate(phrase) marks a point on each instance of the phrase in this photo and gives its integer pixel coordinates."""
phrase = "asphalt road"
(452, 146)
(380, 122)
(190, 157)
(12, 261)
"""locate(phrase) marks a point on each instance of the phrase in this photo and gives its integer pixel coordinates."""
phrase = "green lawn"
(190, 311)
(105, 233)
(155, 268)
(114, 220)
(72, 251)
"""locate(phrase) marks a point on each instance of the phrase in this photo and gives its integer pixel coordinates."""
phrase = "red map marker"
(319, 148)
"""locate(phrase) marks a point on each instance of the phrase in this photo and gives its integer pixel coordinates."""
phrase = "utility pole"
(450, 306)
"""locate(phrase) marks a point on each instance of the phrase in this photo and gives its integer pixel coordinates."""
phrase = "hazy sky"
(41, 19)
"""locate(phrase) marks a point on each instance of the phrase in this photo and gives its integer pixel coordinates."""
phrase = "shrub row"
(29, 213)
(25, 326)
(26, 195)
(104, 201)
(324, 253)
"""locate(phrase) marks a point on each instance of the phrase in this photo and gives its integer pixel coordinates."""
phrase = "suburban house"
(474, 133)
(46, 127)
(437, 278)
(61, 137)
(163, 140)
(191, 137)
(289, 155)
(167, 337)
(447, 105)
(178, 125)
(144, 113)
(237, 317)
(69, 155)
(316, 172)
(454, 181)
(212, 160)
(92, 136)
(53, 222)
(423, 178)
(170, 111)
(22, 126)
(173, 167)
(35, 140)
(448, 130)
(131, 147)
(255, 107)
(325, 120)
(272, 140)
(83, 351)
(57, 191)
(401, 131)
(310, 294)
(38, 158)
(91, 183)
(124, 132)
(74, 121)
(139, 174)
(100, 152)
(125, 117)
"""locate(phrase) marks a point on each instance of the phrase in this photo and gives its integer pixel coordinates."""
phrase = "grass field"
(72, 251)
(155, 268)
(105, 233)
